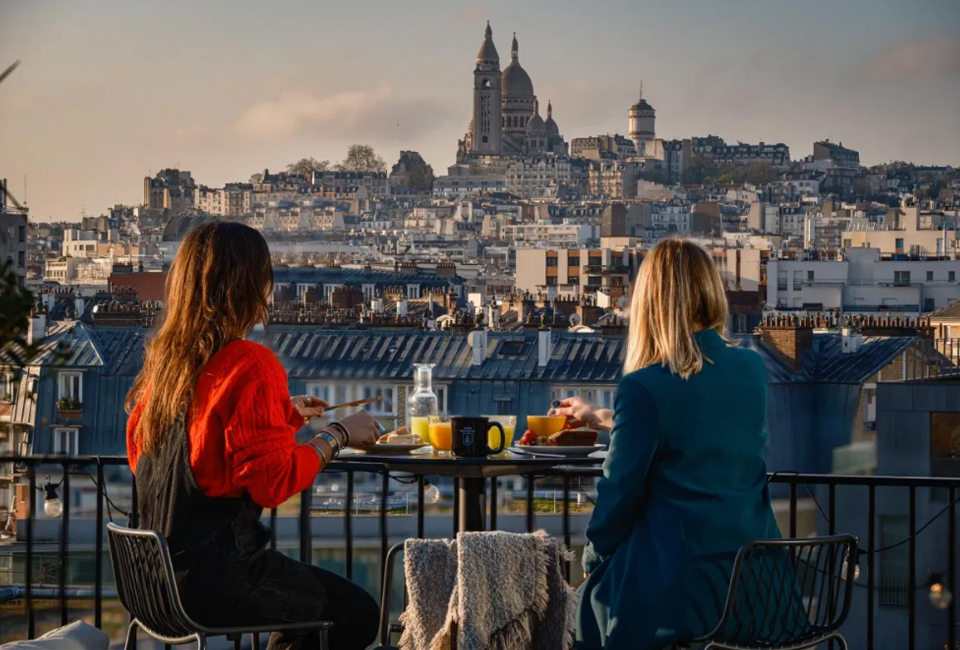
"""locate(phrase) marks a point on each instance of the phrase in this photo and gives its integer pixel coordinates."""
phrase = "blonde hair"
(677, 293)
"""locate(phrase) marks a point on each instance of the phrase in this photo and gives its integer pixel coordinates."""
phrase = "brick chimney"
(789, 336)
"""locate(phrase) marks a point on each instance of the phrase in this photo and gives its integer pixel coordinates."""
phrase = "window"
(71, 386)
(441, 392)
(929, 304)
(607, 398)
(552, 261)
(847, 243)
(594, 281)
(573, 279)
(503, 406)
(894, 562)
(899, 244)
(809, 276)
(952, 276)
(552, 281)
(945, 436)
(386, 404)
(66, 442)
(782, 280)
(929, 276)
(6, 386)
(320, 390)
(573, 260)
(797, 280)
(901, 278)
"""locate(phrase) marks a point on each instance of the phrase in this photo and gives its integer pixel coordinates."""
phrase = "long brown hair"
(217, 290)
(677, 293)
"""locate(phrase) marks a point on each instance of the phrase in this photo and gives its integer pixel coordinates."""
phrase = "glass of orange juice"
(441, 434)
(545, 425)
(509, 424)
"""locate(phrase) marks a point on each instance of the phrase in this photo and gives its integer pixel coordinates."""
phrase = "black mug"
(470, 436)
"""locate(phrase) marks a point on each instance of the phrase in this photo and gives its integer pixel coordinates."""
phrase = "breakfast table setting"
(475, 448)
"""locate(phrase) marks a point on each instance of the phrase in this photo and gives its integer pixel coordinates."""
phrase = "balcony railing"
(52, 590)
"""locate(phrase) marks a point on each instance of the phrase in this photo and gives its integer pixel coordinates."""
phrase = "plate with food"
(400, 441)
(574, 440)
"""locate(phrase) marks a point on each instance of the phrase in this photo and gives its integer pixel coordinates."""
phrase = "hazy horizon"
(109, 92)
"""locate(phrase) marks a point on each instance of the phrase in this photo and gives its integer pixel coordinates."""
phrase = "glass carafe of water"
(422, 402)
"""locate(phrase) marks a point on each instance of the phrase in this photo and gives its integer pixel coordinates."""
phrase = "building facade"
(863, 282)
(13, 238)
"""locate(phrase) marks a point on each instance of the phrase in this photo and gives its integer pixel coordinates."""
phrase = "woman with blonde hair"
(684, 481)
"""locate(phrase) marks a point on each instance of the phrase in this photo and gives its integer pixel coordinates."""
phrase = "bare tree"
(362, 158)
(307, 166)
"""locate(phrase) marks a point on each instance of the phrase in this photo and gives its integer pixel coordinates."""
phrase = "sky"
(110, 91)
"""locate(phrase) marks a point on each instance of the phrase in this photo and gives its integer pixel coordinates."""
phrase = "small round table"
(471, 471)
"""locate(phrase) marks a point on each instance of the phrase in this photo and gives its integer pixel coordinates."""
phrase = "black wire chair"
(148, 590)
(386, 599)
(787, 594)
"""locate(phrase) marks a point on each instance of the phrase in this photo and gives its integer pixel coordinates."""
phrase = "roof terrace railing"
(893, 571)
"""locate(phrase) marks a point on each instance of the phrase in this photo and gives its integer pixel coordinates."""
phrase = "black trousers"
(276, 589)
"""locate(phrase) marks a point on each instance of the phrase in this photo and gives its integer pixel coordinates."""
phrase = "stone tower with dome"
(506, 114)
(641, 124)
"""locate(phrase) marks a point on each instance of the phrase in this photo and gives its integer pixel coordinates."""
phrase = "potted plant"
(69, 407)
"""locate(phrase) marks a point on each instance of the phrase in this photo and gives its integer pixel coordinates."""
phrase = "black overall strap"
(171, 503)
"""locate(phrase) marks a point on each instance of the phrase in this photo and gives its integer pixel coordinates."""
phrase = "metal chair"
(386, 598)
(787, 594)
(147, 588)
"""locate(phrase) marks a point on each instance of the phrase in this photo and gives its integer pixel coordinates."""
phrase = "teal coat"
(684, 486)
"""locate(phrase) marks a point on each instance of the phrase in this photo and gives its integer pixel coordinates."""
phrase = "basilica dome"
(516, 81)
(536, 127)
(551, 125)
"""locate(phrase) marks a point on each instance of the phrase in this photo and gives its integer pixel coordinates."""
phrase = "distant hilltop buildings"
(506, 112)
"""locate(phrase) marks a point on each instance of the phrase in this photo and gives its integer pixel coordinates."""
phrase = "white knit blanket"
(487, 591)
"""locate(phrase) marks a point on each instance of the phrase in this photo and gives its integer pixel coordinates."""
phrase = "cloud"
(932, 59)
(375, 113)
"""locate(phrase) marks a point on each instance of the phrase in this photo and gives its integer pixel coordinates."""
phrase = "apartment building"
(715, 148)
(909, 231)
(603, 147)
(339, 185)
(13, 238)
(614, 179)
(863, 282)
(575, 270)
(541, 176)
(459, 187)
(232, 200)
(550, 234)
(170, 189)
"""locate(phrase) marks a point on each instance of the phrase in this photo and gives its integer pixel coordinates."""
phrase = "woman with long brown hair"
(210, 440)
(684, 481)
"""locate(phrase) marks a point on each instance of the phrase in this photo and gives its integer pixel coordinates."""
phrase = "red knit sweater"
(242, 426)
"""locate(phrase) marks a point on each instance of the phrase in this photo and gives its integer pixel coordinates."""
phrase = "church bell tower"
(486, 128)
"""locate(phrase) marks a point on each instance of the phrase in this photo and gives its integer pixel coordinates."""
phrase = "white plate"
(388, 448)
(559, 450)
